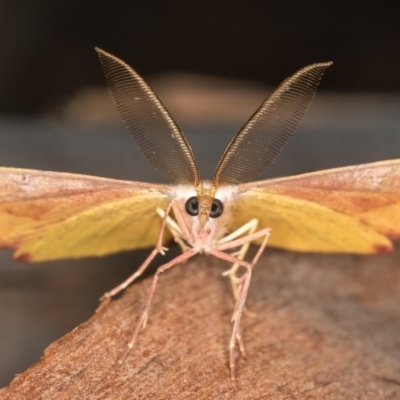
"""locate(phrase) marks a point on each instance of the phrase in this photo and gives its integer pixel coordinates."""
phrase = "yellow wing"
(345, 210)
(51, 215)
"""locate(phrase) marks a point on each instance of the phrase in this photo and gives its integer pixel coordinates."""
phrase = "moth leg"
(185, 234)
(157, 249)
(245, 283)
(142, 320)
(175, 231)
(250, 227)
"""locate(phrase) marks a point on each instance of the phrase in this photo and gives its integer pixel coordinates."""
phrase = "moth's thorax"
(204, 230)
(204, 237)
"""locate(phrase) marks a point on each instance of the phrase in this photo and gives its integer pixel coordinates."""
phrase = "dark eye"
(192, 206)
(216, 209)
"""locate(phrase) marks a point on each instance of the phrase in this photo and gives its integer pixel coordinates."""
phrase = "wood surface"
(326, 327)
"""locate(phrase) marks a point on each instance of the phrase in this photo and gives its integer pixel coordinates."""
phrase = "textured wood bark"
(327, 327)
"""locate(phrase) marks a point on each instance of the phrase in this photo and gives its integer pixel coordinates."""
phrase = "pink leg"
(147, 261)
(240, 304)
(143, 317)
(182, 224)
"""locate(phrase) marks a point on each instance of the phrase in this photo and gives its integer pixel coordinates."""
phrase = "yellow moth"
(49, 215)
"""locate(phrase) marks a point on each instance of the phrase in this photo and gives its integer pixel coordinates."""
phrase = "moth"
(51, 215)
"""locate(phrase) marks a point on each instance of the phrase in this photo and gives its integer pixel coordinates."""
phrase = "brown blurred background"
(47, 46)
(212, 63)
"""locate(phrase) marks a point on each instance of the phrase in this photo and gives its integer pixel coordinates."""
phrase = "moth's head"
(204, 207)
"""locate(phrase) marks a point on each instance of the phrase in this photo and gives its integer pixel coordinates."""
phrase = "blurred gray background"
(212, 63)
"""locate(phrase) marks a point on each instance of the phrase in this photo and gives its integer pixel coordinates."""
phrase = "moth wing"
(51, 215)
(353, 209)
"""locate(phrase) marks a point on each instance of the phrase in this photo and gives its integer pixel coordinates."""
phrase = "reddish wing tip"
(23, 258)
(383, 249)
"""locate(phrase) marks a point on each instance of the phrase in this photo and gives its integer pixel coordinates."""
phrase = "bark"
(326, 327)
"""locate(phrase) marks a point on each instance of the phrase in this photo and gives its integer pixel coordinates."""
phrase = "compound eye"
(216, 209)
(192, 206)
